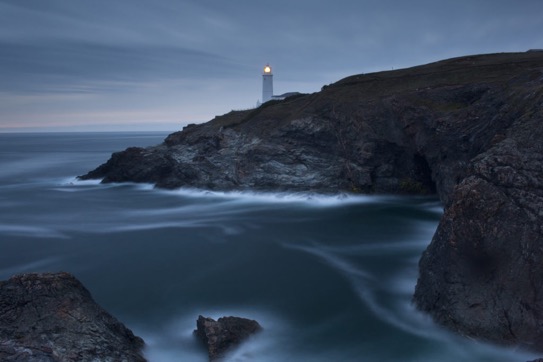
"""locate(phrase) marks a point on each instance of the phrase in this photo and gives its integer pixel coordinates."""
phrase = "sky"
(158, 65)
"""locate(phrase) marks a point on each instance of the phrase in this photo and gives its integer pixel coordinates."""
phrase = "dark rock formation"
(467, 128)
(482, 275)
(52, 317)
(224, 334)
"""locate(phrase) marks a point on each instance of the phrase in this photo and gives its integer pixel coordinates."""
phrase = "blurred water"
(330, 278)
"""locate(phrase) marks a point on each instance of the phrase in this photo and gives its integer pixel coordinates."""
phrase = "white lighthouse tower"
(267, 84)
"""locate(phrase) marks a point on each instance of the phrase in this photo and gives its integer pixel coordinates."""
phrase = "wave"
(75, 181)
(248, 196)
(136, 207)
(33, 231)
(310, 198)
(175, 340)
(390, 300)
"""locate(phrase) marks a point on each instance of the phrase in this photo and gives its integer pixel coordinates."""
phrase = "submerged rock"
(467, 128)
(52, 317)
(224, 334)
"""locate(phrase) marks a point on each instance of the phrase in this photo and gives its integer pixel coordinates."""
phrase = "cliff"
(468, 129)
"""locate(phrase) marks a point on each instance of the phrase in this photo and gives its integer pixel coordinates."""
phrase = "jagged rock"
(224, 334)
(52, 317)
(482, 274)
(468, 128)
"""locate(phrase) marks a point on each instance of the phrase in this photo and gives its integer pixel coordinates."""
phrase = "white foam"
(176, 342)
(362, 284)
(402, 314)
(308, 198)
(74, 181)
(149, 226)
(34, 231)
(336, 262)
(247, 196)
(377, 248)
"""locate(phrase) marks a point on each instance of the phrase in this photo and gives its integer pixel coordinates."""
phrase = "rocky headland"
(468, 129)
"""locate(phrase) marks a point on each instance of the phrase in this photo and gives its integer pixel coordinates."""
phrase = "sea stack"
(222, 335)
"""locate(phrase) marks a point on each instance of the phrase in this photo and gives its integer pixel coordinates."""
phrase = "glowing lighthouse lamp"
(267, 84)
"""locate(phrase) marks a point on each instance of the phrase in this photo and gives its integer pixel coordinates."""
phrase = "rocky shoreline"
(50, 317)
(468, 129)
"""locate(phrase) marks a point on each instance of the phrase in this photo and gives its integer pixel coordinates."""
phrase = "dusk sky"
(106, 65)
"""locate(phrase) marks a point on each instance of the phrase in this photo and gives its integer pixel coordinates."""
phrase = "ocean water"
(329, 277)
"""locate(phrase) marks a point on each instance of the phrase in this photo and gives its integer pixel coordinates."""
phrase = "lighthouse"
(267, 88)
(267, 84)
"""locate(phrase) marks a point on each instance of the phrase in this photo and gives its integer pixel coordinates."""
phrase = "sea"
(328, 277)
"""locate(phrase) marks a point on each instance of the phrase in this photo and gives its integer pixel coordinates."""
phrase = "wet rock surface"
(482, 274)
(222, 335)
(52, 317)
(468, 128)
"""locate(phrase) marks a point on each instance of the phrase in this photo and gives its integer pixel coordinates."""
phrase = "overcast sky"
(160, 64)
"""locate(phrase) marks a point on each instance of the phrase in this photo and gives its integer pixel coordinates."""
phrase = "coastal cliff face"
(482, 275)
(468, 129)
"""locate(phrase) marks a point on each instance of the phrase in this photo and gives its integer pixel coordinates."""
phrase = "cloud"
(198, 57)
(70, 66)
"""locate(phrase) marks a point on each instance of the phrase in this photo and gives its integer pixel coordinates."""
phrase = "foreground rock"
(482, 275)
(224, 334)
(467, 128)
(52, 317)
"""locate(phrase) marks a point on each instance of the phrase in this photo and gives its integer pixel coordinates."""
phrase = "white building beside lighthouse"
(267, 84)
